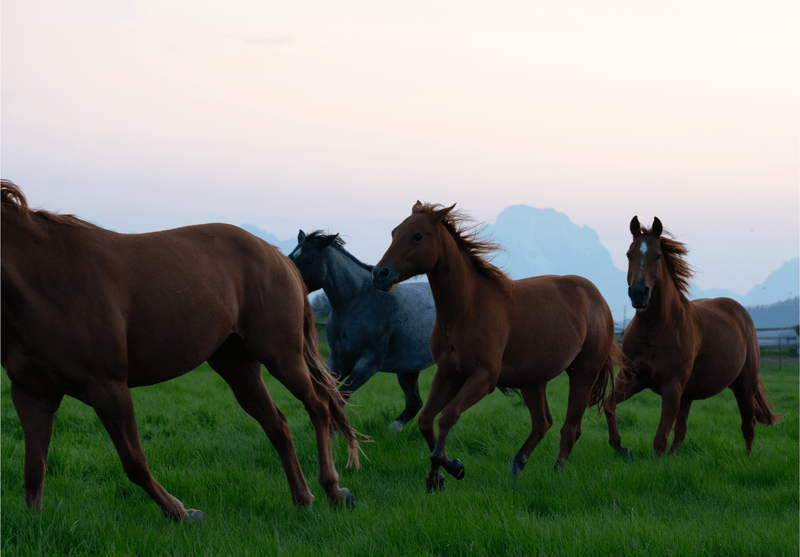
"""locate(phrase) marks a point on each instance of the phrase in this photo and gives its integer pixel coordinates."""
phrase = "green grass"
(709, 500)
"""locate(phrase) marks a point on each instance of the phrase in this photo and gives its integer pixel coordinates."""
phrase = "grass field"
(709, 500)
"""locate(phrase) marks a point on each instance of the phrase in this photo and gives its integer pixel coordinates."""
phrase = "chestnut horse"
(492, 331)
(683, 350)
(90, 313)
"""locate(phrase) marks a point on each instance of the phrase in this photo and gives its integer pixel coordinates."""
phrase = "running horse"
(368, 330)
(492, 331)
(683, 350)
(90, 313)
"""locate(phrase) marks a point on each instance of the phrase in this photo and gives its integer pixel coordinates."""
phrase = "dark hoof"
(559, 465)
(625, 452)
(455, 468)
(437, 484)
(518, 463)
(346, 497)
(194, 515)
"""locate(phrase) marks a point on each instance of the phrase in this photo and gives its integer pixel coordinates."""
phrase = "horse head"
(414, 249)
(645, 267)
(309, 258)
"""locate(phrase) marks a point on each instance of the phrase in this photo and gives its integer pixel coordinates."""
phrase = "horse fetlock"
(396, 425)
(435, 482)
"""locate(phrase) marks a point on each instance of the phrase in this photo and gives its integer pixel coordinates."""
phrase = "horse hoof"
(559, 465)
(626, 452)
(437, 484)
(194, 515)
(396, 425)
(346, 496)
(455, 468)
(517, 464)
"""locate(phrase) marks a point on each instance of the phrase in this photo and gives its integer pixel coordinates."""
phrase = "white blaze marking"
(643, 249)
(296, 252)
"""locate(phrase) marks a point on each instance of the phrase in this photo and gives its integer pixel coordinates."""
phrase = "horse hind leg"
(36, 416)
(243, 374)
(541, 420)
(112, 403)
(409, 382)
(291, 370)
(580, 392)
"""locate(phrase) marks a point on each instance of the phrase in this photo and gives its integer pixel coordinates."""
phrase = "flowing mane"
(12, 196)
(675, 258)
(338, 243)
(466, 233)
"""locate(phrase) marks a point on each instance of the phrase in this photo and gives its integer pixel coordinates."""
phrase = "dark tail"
(321, 375)
(606, 379)
(764, 413)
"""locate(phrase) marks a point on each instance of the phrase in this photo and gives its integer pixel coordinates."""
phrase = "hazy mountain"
(544, 241)
(779, 314)
(779, 285)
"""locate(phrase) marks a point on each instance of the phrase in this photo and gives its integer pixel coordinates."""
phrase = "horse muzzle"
(639, 295)
(384, 276)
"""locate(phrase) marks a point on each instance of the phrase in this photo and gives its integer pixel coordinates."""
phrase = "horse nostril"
(383, 273)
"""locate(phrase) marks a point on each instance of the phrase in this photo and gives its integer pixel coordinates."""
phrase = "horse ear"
(328, 240)
(416, 206)
(636, 228)
(658, 228)
(301, 236)
(442, 213)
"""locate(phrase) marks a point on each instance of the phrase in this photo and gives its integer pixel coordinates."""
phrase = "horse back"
(140, 307)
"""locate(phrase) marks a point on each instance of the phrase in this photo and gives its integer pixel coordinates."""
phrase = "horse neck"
(453, 279)
(670, 304)
(346, 278)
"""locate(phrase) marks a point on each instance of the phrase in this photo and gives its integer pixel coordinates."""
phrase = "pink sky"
(178, 111)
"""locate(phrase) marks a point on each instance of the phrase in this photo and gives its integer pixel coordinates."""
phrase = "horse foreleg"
(36, 416)
(477, 386)
(365, 368)
(113, 405)
(681, 425)
(441, 393)
(670, 407)
(541, 420)
(409, 382)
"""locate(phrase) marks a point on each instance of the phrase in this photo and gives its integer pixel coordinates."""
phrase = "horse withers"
(368, 330)
(492, 331)
(90, 313)
(684, 350)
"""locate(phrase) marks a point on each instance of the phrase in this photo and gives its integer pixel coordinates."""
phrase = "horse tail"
(599, 395)
(322, 376)
(764, 413)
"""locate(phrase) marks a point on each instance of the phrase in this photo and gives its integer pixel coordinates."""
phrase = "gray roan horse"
(368, 330)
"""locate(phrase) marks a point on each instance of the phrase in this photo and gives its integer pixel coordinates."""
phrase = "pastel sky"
(145, 114)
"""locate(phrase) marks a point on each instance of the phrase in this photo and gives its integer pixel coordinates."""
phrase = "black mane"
(318, 235)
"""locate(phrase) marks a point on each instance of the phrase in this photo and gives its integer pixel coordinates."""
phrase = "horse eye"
(658, 256)
(417, 237)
